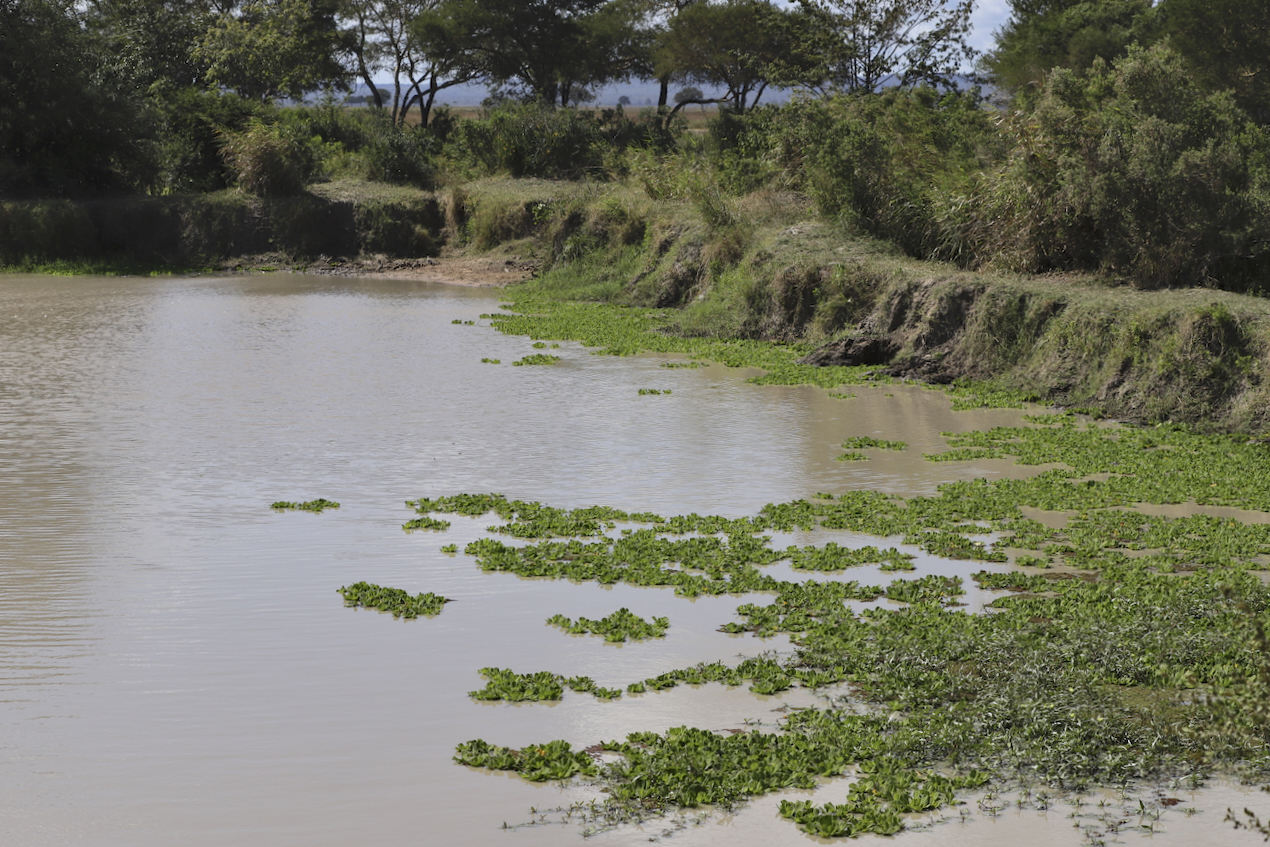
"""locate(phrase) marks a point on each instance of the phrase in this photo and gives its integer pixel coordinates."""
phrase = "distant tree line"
(1126, 136)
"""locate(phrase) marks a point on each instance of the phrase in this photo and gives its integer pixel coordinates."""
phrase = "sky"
(988, 17)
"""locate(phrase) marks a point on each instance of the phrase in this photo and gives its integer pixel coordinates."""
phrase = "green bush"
(193, 123)
(402, 156)
(268, 159)
(1135, 171)
(529, 140)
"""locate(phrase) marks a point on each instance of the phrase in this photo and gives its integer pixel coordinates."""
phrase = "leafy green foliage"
(861, 441)
(1136, 170)
(75, 130)
(615, 628)
(644, 391)
(529, 141)
(542, 685)
(315, 506)
(267, 159)
(537, 359)
(394, 600)
(1068, 33)
(425, 523)
(536, 763)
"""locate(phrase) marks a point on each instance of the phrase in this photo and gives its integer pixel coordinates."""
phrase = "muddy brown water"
(175, 663)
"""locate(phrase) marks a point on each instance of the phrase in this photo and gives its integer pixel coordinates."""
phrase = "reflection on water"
(175, 663)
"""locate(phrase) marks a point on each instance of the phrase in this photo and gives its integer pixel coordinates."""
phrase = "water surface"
(175, 663)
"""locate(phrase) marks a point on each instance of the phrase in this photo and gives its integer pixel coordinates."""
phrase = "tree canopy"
(863, 45)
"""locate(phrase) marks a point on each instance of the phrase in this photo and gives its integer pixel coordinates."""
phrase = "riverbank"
(760, 267)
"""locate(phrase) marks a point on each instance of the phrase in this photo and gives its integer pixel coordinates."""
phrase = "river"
(175, 663)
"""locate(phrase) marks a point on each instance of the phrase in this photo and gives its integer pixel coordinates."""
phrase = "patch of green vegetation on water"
(615, 628)
(395, 600)
(860, 442)
(625, 331)
(316, 506)
(537, 359)
(426, 523)
(489, 361)
(536, 763)
(644, 391)
(501, 684)
(832, 557)
(1145, 658)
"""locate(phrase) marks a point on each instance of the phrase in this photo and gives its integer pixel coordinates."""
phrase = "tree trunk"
(664, 94)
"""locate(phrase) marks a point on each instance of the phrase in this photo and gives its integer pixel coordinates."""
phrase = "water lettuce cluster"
(395, 600)
(644, 391)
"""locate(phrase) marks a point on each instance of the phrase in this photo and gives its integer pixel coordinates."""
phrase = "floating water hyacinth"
(316, 506)
(508, 685)
(615, 628)
(862, 441)
(643, 391)
(537, 359)
(491, 361)
(425, 523)
(394, 600)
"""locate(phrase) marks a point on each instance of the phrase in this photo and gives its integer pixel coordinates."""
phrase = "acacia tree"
(741, 46)
(386, 39)
(545, 50)
(867, 44)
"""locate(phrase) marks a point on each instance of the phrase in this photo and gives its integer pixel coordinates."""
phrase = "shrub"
(402, 156)
(1135, 171)
(268, 159)
(194, 124)
(530, 140)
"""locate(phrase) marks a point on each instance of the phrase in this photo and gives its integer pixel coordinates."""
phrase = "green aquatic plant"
(644, 391)
(615, 628)
(316, 506)
(489, 361)
(832, 557)
(853, 456)
(842, 395)
(395, 600)
(425, 523)
(537, 359)
(450, 548)
(539, 345)
(536, 763)
(503, 684)
(534, 687)
(683, 365)
(860, 442)
(462, 322)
